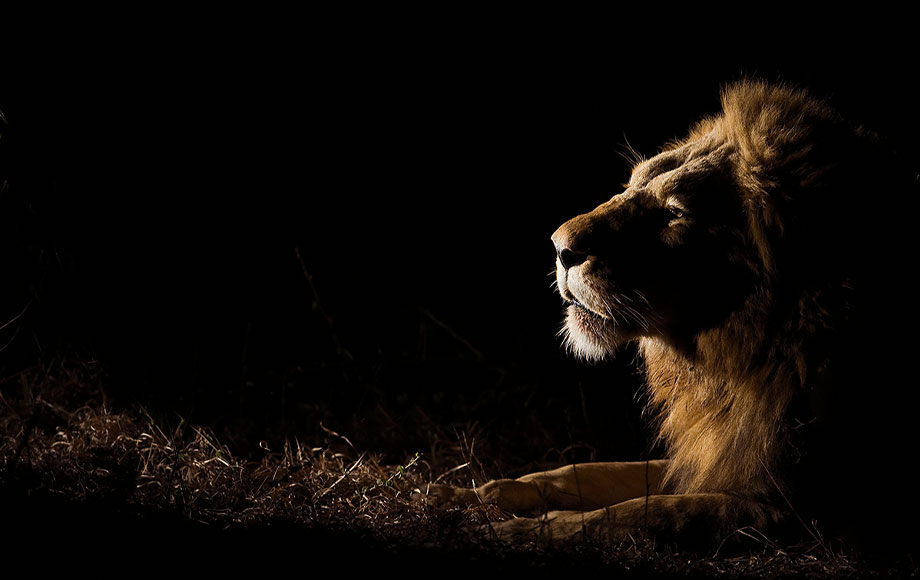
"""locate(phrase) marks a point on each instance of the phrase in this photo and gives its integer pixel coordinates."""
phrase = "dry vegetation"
(72, 467)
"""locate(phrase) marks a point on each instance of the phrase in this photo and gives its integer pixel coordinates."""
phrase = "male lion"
(757, 264)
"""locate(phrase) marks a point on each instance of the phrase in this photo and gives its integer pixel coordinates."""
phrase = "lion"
(757, 264)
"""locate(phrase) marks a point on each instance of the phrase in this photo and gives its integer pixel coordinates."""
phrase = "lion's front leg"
(694, 517)
(586, 486)
(509, 494)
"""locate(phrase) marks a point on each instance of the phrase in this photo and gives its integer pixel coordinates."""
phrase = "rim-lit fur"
(738, 296)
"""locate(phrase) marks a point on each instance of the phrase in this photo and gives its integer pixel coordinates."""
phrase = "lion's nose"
(568, 258)
(566, 251)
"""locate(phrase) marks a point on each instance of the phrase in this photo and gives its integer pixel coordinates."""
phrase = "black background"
(161, 183)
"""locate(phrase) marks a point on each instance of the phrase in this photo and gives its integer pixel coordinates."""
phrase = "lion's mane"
(780, 396)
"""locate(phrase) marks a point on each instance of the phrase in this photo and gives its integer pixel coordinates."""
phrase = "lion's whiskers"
(627, 311)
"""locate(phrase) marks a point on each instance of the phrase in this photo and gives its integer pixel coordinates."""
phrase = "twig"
(812, 531)
(453, 334)
(318, 307)
(353, 466)
(11, 321)
(27, 432)
(451, 470)
(342, 437)
(17, 317)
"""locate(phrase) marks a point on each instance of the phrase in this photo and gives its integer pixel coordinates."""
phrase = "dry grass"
(61, 444)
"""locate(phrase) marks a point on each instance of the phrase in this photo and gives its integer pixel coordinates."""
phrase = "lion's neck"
(719, 415)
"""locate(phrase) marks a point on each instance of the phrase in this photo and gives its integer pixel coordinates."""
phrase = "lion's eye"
(675, 207)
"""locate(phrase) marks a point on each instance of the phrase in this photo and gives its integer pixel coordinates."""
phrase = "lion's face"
(665, 258)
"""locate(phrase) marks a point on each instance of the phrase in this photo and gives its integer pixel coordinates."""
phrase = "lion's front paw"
(550, 526)
(445, 496)
(507, 494)
(517, 530)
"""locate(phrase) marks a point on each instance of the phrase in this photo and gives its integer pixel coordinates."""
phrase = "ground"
(78, 478)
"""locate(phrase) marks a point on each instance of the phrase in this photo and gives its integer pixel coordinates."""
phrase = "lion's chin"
(590, 336)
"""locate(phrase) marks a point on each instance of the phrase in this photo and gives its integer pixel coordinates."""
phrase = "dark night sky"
(161, 186)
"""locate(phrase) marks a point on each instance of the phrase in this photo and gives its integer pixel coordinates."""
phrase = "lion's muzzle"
(596, 264)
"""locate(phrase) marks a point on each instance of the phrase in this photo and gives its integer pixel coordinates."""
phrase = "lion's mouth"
(582, 309)
(595, 333)
(577, 304)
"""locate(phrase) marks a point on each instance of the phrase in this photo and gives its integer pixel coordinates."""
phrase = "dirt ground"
(101, 489)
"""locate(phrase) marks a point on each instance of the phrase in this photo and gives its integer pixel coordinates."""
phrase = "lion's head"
(707, 226)
(666, 258)
(734, 257)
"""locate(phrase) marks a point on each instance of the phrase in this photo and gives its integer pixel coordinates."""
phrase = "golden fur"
(742, 260)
